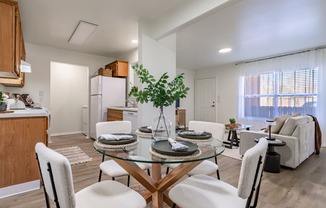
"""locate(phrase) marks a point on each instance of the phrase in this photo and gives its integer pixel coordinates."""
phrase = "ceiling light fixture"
(134, 41)
(225, 50)
(82, 32)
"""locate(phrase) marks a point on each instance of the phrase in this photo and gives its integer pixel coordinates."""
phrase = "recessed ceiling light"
(225, 50)
(134, 41)
(82, 32)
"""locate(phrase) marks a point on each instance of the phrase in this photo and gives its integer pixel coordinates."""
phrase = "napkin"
(177, 146)
(112, 137)
(192, 133)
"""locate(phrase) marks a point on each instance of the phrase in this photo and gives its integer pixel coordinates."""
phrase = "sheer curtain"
(312, 59)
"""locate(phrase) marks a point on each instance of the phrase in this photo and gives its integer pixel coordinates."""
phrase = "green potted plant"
(161, 93)
(3, 98)
(232, 123)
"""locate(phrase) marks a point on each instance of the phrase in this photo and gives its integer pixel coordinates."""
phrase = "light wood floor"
(303, 187)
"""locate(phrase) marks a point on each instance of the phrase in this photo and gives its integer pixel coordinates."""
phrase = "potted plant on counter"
(3, 98)
(161, 93)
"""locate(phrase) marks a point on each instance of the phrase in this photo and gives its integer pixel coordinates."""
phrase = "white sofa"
(299, 134)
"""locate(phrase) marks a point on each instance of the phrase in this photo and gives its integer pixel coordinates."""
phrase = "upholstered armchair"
(297, 131)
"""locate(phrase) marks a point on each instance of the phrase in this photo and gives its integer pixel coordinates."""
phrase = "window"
(268, 95)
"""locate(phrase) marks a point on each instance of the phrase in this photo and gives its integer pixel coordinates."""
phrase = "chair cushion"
(109, 194)
(206, 167)
(291, 123)
(113, 169)
(143, 166)
(205, 191)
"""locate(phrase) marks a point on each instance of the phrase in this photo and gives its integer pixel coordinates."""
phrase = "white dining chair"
(205, 191)
(110, 167)
(58, 185)
(206, 167)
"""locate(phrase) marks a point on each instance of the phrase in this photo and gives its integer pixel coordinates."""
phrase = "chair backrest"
(217, 129)
(51, 162)
(250, 176)
(112, 127)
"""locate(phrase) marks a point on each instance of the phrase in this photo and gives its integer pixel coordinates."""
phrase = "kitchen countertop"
(29, 112)
(123, 108)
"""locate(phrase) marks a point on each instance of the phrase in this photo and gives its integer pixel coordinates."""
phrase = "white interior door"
(205, 99)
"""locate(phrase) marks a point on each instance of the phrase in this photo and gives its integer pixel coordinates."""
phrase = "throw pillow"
(291, 123)
(279, 123)
(296, 114)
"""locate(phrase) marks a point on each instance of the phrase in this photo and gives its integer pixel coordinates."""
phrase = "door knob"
(212, 105)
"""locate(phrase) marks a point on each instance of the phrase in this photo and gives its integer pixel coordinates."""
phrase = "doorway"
(205, 101)
(68, 94)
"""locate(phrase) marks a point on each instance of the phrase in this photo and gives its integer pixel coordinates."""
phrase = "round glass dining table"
(157, 184)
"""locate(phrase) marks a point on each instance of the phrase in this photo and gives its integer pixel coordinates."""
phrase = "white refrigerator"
(105, 92)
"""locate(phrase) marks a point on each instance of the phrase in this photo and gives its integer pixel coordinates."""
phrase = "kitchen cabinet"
(18, 82)
(11, 40)
(119, 68)
(18, 135)
(180, 118)
(114, 115)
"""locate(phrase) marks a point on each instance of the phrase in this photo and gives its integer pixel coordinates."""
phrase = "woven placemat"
(143, 134)
(196, 141)
(129, 146)
(193, 156)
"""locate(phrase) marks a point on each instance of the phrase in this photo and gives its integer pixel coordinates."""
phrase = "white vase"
(161, 127)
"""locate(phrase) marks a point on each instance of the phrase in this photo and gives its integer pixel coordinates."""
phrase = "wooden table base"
(156, 184)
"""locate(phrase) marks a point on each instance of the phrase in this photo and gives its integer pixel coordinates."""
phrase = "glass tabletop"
(142, 151)
(239, 127)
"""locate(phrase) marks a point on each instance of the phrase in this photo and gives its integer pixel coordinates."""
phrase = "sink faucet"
(132, 102)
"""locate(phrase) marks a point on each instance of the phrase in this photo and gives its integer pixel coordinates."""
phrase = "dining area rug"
(74, 154)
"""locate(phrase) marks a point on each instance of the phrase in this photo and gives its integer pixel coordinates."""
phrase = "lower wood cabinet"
(180, 118)
(114, 115)
(18, 137)
(117, 115)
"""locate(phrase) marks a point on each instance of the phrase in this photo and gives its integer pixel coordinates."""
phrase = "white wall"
(38, 82)
(188, 103)
(158, 59)
(68, 93)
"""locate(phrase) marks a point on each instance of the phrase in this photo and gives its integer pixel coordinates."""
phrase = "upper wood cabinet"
(119, 68)
(12, 45)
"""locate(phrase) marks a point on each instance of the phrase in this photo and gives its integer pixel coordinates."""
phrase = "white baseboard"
(66, 133)
(19, 188)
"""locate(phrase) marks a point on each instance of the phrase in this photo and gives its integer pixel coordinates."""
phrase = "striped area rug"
(74, 154)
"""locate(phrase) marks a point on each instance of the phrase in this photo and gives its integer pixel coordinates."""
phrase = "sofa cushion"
(291, 123)
(279, 121)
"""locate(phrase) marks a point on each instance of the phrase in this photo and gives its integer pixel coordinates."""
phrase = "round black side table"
(273, 159)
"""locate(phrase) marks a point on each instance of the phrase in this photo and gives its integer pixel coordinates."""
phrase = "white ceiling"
(253, 28)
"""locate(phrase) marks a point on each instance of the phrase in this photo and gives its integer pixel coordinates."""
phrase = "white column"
(158, 57)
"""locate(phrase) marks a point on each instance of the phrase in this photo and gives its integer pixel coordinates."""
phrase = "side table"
(273, 159)
(233, 139)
